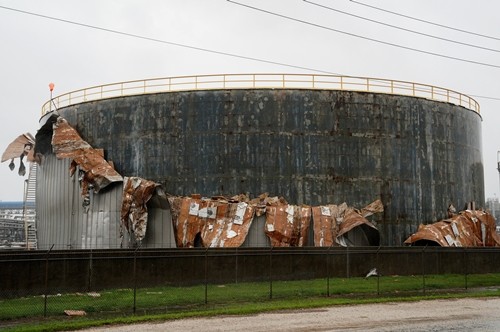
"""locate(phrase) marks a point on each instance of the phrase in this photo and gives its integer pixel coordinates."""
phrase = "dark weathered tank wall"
(310, 146)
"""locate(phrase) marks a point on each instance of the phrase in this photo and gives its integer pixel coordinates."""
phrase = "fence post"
(466, 267)
(89, 287)
(347, 262)
(328, 271)
(423, 269)
(206, 275)
(236, 265)
(135, 277)
(270, 272)
(46, 281)
(378, 272)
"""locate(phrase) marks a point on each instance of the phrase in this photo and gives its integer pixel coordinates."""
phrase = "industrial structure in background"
(17, 226)
(215, 160)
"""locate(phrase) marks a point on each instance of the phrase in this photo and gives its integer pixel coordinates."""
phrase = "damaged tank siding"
(469, 228)
(313, 147)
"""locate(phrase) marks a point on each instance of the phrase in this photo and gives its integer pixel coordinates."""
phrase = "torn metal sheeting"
(325, 226)
(23, 145)
(356, 230)
(66, 143)
(217, 222)
(469, 228)
(287, 225)
(341, 225)
(185, 220)
(230, 226)
(134, 215)
(372, 208)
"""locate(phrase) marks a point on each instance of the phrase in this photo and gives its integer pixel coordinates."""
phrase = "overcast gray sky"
(36, 51)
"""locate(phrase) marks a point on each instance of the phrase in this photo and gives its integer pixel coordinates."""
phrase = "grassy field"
(38, 313)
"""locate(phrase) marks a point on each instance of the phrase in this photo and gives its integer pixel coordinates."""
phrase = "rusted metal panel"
(222, 223)
(134, 216)
(185, 220)
(97, 172)
(218, 222)
(333, 224)
(325, 225)
(469, 228)
(288, 225)
(230, 227)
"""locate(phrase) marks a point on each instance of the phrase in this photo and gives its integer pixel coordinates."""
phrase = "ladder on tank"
(29, 208)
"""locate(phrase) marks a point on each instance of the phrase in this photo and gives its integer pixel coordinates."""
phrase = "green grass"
(161, 303)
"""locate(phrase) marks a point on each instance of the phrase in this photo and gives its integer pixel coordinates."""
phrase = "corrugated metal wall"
(62, 221)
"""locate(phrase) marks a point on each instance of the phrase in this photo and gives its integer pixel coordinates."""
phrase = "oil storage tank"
(313, 139)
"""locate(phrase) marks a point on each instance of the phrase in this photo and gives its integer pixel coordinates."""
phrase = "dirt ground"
(433, 315)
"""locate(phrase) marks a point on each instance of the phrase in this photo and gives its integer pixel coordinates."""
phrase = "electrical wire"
(185, 45)
(484, 97)
(169, 42)
(424, 21)
(401, 28)
(363, 37)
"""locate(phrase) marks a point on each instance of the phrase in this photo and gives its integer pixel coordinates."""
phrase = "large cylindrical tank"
(310, 146)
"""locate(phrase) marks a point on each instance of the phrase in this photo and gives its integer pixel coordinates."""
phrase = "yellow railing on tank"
(261, 81)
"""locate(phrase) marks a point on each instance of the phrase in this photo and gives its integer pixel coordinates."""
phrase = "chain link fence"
(141, 281)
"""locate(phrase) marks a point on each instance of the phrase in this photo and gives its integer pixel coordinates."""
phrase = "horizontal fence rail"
(40, 284)
(261, 81)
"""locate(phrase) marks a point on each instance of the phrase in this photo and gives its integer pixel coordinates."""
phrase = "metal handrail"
(261, 81)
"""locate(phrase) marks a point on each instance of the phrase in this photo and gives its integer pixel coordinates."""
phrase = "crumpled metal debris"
(228, 226)
(185, 221)
(341, 225)
(22, 146)
(288, 225)
(97, 172)
(222, 222)
(218, 222)
(134, 215)
(469, 228)
(263, 201)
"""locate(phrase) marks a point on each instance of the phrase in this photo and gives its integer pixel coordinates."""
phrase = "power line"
(484, 97)
(424, 21)
(363, 37)
(401, 28)
(187, 46)
(168, 42)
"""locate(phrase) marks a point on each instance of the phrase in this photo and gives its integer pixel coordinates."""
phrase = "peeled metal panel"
(134, 212)
(288, 225)
(469, 228)
(216, 222)
(22, 145)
